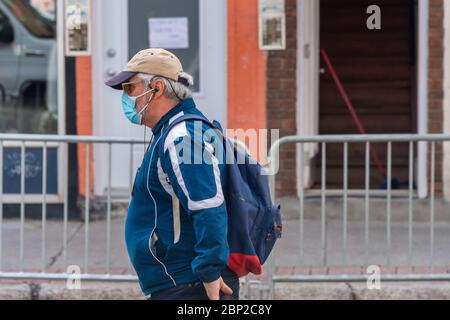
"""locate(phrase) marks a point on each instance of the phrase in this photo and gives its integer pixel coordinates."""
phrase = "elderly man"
(176, 228)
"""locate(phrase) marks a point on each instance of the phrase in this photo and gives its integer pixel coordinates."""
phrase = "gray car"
(27, 59)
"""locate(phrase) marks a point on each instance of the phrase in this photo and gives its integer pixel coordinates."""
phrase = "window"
(28, 77)
(31, 19)
(4, 25)
(28, 92)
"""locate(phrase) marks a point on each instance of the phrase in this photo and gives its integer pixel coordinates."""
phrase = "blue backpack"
(254, 222)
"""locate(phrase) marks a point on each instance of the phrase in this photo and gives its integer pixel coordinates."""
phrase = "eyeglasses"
(129, 87)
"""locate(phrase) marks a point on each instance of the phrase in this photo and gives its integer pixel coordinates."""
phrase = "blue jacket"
(176, 228)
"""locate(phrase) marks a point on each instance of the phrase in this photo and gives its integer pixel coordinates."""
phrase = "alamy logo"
(185, 151)
(374, 20)
(74, 278)
(374, 278)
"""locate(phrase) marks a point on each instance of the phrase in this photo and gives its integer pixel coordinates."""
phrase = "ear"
(159, 88)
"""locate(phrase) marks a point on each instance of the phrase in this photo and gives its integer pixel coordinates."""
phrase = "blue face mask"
(129, 108)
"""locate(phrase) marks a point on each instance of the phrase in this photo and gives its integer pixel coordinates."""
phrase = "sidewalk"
(287, 256)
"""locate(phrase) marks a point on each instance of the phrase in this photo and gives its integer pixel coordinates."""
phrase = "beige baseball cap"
(154, 61)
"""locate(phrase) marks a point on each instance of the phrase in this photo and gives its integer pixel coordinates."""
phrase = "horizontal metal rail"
(361, 278)
(66, 276)
(67, 139)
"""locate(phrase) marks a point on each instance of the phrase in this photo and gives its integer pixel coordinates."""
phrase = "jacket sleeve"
(195, 175)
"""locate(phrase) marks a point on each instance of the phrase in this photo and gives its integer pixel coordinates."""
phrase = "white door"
(120, 30)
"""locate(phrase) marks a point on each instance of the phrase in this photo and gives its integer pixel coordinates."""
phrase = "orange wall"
(84, 117)
(246, 68)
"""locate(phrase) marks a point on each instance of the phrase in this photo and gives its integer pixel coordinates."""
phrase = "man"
(176, 228)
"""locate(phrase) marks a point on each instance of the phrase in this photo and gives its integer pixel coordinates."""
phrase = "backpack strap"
(175, 201)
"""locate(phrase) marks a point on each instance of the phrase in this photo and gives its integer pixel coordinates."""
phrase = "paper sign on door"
(169, 33)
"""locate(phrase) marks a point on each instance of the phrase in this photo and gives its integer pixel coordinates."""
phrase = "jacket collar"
(183, 106)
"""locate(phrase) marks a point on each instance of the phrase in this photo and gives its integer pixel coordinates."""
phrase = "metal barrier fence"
(62, 142)
(43, 141)
(425, 141)
(64, 272)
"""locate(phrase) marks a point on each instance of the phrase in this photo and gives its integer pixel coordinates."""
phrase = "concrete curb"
(15, 292)
(359, 291)
(57, 290)
(283, 291)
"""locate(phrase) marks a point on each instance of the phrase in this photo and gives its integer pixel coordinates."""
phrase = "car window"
(31, 19)
(4, 21)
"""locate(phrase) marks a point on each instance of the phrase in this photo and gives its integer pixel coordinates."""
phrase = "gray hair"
(173, 89)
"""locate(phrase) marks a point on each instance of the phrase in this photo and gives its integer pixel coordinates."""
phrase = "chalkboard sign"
(33, 170)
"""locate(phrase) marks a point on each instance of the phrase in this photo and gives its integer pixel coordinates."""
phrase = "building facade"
(395, 77)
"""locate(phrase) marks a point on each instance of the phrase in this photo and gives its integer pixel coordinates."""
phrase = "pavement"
(287, 257)
(287, 254)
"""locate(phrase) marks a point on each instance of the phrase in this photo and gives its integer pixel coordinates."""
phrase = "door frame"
(308, 26)
(308, 64)
(446, 104)
(422, 97)
(120, 16)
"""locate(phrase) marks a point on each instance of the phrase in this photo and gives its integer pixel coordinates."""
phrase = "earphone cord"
(145, 127)
(150, 143)
(145, 135)
(176, 95)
